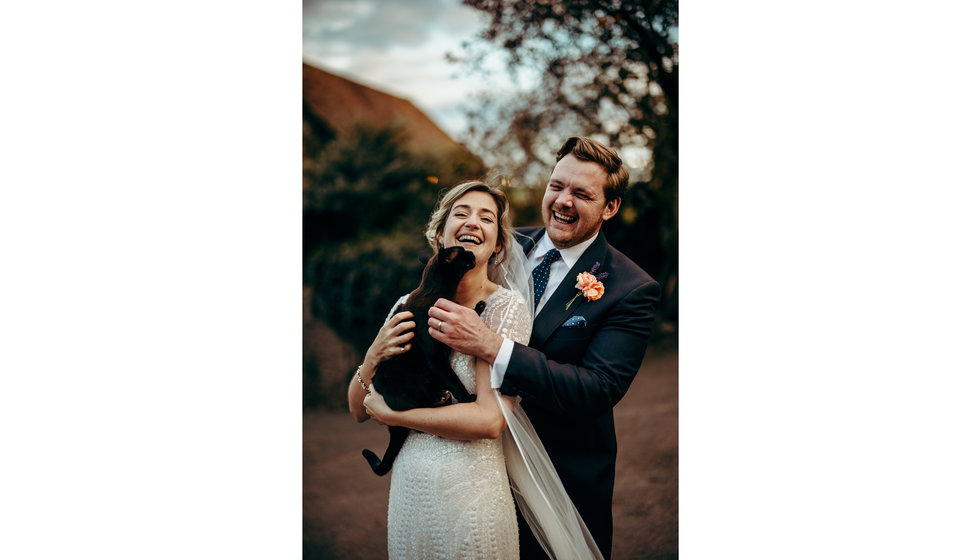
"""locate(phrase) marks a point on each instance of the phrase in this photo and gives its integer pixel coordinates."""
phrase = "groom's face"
(574, 204)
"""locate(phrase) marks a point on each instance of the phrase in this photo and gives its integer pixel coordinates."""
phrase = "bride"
(452, 482)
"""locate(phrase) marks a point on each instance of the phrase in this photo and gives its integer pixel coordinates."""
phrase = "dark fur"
(422, 377)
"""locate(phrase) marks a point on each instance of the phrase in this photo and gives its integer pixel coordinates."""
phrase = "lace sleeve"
(509, 316)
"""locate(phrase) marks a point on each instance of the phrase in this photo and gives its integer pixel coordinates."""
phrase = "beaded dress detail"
(451, 499)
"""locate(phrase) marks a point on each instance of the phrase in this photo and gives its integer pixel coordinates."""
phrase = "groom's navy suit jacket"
(569, 377)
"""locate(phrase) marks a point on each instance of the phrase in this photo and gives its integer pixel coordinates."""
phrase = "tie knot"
(551, 256)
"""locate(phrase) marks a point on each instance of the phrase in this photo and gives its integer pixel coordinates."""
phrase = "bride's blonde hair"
(438, 218)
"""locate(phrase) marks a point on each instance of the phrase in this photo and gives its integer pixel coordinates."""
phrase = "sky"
(400, 48)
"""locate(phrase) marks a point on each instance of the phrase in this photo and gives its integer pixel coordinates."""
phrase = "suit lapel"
(554, 314)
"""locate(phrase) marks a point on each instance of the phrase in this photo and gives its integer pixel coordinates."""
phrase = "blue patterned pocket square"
(576, 321)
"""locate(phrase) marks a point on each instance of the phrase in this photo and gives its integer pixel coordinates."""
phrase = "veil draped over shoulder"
(537, 489)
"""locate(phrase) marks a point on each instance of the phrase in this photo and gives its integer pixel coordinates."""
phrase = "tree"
(606, 69)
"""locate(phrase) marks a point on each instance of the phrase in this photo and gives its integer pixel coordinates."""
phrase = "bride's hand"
(392, 340)
(377, 408)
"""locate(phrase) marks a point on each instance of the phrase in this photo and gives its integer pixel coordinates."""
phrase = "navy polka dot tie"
(541, 274)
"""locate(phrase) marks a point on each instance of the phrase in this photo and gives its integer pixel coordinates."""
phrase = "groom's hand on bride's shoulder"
(463, 330)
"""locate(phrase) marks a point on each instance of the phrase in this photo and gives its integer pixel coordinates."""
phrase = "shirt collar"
(569, 256)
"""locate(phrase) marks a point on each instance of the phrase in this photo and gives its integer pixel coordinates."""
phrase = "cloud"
(374, 25)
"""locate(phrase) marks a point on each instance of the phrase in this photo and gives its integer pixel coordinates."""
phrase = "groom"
(584, 351)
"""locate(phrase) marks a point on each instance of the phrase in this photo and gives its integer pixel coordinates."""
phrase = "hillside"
(339, 102)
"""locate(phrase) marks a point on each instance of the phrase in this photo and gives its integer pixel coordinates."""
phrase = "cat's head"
(456, 260)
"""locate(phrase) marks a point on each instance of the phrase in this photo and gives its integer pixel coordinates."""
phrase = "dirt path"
(344, 503)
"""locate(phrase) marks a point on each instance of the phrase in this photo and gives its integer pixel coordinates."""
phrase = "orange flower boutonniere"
(589, 285)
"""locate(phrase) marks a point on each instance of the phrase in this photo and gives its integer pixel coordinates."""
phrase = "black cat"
(422, 377)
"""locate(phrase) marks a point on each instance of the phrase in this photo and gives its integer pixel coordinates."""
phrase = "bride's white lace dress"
(451, 499)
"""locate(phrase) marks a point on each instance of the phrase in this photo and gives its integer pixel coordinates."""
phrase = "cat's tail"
(396, 437)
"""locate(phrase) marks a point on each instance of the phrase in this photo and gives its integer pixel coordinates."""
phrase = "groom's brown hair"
(587, 149)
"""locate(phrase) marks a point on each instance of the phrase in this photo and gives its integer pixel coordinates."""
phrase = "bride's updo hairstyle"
(438, 219)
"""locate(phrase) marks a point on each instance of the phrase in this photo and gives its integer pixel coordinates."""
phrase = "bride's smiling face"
(472, 224)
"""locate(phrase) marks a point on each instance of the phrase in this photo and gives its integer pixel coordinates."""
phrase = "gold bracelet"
(361, 381)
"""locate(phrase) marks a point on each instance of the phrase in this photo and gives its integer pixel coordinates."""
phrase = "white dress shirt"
(559, 269)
